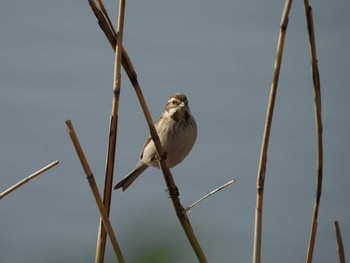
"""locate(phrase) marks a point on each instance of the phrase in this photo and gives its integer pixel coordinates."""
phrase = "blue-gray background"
(56, 64)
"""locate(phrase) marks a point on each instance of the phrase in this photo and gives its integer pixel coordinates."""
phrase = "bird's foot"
(162, 157)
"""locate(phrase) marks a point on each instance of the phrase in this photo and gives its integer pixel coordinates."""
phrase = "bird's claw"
(162, 157)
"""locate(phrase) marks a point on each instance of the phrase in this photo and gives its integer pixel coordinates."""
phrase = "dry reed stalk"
(104, 11)
(94, 190)
(169, 181)
(112, 138)
(27, 179)
(266, 135)
(168, 178)
(318, 124)
(340, 248)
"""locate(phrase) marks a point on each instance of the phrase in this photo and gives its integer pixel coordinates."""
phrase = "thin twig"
(318, 124)
(113, 126)
(266, 136)
(340, 248)
(27, 179)
(94, 190)
(209, 194)
(169, 181)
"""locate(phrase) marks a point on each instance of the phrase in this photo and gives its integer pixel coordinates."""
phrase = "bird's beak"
(182, 105)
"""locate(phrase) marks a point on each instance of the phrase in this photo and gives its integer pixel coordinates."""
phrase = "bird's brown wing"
(148, 139)
(146, 142)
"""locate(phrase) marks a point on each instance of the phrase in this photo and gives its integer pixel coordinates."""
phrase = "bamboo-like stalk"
(95, 191)
(318, 124)
(266, 135)
(168, 178)
(340, 247)
(112, 138)
(104, 11)
(27, 179)
(169, 181)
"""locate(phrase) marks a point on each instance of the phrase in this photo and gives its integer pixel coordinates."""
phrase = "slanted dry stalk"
(340, 247)
(104, 11)
(318, 124)
(106, 27)
(27, 179)
(94, 190)
(112, 138)
(266, 135)
(169, 181)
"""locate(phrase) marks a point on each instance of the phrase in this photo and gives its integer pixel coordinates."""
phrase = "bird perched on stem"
(177, 132)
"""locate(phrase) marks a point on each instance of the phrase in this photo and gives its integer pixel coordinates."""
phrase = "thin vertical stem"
(112, 138)
(340, 247)
(94, 190)
(319, 129)
(265, 141)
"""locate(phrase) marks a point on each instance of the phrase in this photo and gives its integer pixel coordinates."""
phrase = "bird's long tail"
(131, 177)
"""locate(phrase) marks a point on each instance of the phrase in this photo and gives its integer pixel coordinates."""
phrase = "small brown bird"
(177, 132)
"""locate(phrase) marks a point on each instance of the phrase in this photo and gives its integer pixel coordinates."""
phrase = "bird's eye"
(174, 102)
